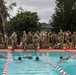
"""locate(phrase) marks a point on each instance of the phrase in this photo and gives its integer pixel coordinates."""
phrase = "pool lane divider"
(7, 63)
(74, 53)
(52, 63)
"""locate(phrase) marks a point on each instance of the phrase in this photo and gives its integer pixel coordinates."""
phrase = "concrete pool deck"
(43, 50)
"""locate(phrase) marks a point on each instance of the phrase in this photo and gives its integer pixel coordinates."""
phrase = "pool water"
(42, 67)
(2, 63)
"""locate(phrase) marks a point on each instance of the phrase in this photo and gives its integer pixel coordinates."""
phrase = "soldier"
(6, 40)
(30, 39)
(18, 38)
(40, 39)
(35, 39)
(67, 39)
(14, 40)
(61, 38)
(54, 39)
(24, 39)
(1, 38)
(74, 40)
(44, 39)
(50, 40)
(70, 40)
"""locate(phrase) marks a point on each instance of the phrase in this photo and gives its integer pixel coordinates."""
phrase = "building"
(46, 27)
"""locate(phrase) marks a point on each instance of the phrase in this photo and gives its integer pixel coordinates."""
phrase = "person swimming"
(3, 56)
(64, 59)
(73, 57)
(37, 58)
(28, 56)
(17, 60)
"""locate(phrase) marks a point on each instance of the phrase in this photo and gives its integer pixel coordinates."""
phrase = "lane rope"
(74, 53)
(7, 63)
(52, 63)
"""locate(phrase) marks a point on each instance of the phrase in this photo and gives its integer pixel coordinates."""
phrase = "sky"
(44, 8)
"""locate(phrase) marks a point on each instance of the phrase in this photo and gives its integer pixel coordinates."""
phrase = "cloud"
(45, 8)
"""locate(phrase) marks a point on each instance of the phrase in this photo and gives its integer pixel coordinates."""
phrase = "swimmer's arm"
(13, 59)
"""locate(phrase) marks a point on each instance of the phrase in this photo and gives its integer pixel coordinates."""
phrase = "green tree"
(4, 13)
(27, 21)
(64, 16)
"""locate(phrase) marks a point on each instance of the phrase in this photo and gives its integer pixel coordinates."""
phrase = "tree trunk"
(3, 23)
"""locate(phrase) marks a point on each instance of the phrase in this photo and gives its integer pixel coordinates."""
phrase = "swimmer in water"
(73, 57)
(3, 56)
(19, 59)
(28, 56)
(37, 58)
(64, 59)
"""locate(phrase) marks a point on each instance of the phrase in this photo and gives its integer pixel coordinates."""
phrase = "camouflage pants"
(24, 44)
(14, 44)
(35, 43)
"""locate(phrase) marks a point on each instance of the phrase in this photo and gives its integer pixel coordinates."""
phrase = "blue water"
(42, 67)
(2, 63)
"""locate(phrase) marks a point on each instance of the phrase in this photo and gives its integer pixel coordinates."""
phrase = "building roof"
(45, 25)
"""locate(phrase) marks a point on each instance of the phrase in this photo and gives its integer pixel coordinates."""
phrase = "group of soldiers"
(43, 39)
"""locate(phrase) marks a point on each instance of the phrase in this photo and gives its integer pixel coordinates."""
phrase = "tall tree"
(3, 14)
(27, 21)
(64, 16)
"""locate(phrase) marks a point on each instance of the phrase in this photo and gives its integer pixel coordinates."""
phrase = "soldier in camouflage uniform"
(6, 40)
(49, 39)
(44, 40)
(74, 40)
(40, 39)
(30, 40)
(35, 39)
(1, 38)
(67, 39)
(14, 40)
(61, 38)
(24, 38)
(54, 39)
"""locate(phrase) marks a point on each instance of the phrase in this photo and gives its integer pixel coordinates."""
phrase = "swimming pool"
(2, 63)
(32, 67)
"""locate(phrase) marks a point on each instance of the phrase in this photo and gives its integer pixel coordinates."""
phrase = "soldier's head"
(29, 32)
(60, 30)
(53, 32)
(35, 33)
(14, 33)
(24, 32)
(74, 32)
(50, 32)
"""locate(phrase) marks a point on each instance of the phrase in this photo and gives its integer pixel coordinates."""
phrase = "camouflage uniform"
(61, 38)
(54, 38)
(14, 40)
(50, 40)
(24, 39)
(67, 39)
(1, 38)
(40, 39)
(44, 40)
(35, 38)
(74, 40)
(6, 40)
(30, 40)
